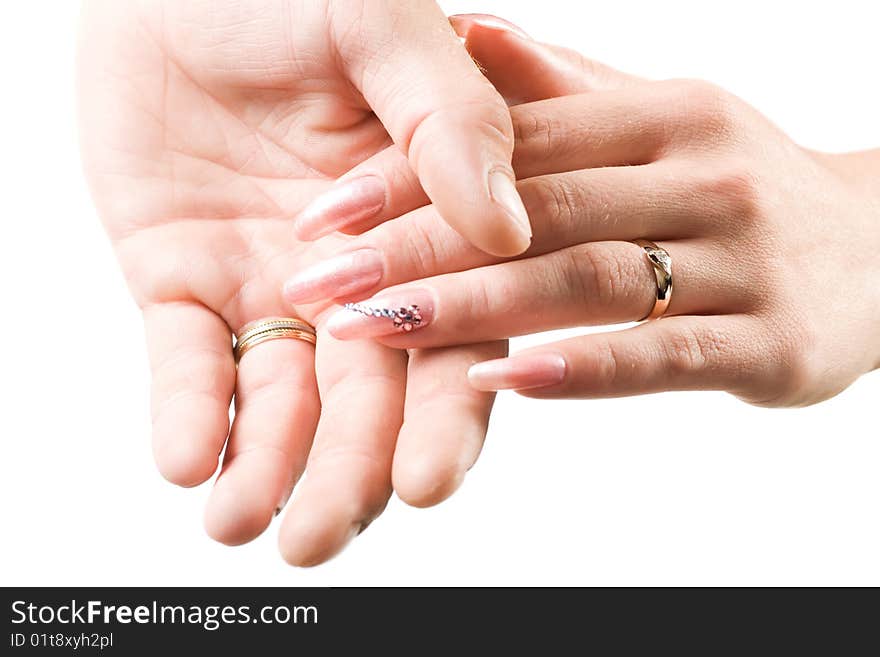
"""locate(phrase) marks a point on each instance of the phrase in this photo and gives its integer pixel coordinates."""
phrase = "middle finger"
(617, 203)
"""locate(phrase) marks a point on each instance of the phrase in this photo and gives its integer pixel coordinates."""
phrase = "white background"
(685, 489)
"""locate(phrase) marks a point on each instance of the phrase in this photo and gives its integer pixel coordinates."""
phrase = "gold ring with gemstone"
(661, 262)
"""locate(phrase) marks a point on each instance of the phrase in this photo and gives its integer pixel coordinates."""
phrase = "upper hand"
(773, 247)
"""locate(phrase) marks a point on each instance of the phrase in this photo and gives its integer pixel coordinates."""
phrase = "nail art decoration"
(403, 319)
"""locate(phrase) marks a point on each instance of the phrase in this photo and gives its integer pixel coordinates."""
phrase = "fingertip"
(427, 479)
(477, 197)
(184, 474)
(481, 376)
(245, 496)
(232, 530)
(305, 231)
(231, 516)
(323, 518)
(307, 539)
(519, 372)
(517, 235)
(346, 274)
(183, 462)
(462, 24)
(352, 201)
(431, 463)
(492, 230)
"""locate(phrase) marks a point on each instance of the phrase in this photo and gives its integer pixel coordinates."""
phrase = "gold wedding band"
(271, 328)
(661, 262)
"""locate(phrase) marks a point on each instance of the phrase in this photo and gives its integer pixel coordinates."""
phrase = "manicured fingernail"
(518, 372)
(344, 275)
(402, 311)
(502, 189)
(346, 203)
(492, 22)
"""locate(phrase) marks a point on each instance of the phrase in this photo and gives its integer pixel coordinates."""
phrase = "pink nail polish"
(346, 203)
(344, 275)
(402, 311)
(491, 22)
(518, 372)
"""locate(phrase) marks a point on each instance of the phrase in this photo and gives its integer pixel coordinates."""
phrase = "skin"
(205, 130)
(773, 246)
(200, 155)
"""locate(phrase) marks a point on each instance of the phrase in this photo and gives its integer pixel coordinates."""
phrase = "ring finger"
(593, 283)
(614, 203)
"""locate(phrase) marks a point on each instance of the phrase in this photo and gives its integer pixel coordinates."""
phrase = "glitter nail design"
(403, 319)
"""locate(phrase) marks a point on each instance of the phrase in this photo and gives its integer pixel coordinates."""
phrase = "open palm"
(205, 130)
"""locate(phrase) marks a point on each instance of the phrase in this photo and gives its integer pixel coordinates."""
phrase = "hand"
(205, 129)
(774, 250)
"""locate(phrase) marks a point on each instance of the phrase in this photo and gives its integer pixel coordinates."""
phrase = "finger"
(348, 477)
(190, 351)
(617, 128)
(445, 422)
(524, 70)
(439, 109)
(676, 353)
(385, 186)
(382, 187)
(620, 127)
(277, 408)
(594, 283)
(614, 203)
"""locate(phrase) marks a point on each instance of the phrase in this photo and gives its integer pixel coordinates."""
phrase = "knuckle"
(734, 188)
(482, 298)
(705, 109)
(476, 300)
(191, 371)
(797, 371)
(691, 351)
(273, 376)
(599, 275)
(484, 116)
(786, 371)
(531, 130)
(402, 182)
(342, 383)
(423, 251)
(594, 73)
(554, 202)
(608, 365)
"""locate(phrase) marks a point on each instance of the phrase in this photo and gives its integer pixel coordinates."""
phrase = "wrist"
(860, 172)
(859, 168)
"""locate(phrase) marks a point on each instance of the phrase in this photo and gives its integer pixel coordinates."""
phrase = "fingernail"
(518, 372)
(346, 203)
(403, 311)
(502, 189)
(285, 498)
(492, 22)
(344, 275)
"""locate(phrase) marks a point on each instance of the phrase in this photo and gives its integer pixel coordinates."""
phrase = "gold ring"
(271, 328)
(661, 262)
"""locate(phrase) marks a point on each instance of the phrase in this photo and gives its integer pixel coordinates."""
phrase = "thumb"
(524, 70)
(455, 128)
